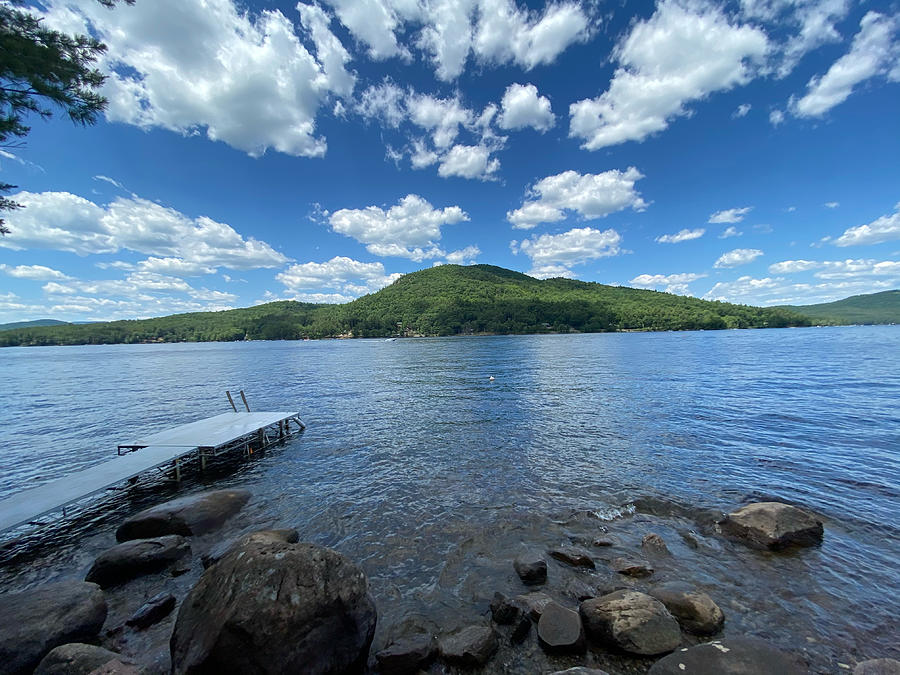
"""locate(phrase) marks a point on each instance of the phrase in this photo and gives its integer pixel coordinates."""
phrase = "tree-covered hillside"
(444, 300)
(881, 307)
(29, 324)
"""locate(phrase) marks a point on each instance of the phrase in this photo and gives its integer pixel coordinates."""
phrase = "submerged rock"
(534, 603)
(78, 659)
(504, 610)
(654, 544)
(730, 656)
(469, 647)
(560, 630)
(269, 606)
(35, 621)
(570, 555)
(407, 656)
(191, 515)
(877, 667)
(531, 570)
(772, 525)
(632, 621)
(153, 611)
(694, 610)
(632, 567)
(135, 558)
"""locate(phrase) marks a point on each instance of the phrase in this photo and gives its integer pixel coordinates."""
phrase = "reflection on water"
(433, 477)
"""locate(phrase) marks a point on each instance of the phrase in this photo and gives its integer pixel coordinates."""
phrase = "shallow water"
(433, 478)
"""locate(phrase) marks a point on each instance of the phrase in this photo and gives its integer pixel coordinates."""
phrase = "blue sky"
(269, 150)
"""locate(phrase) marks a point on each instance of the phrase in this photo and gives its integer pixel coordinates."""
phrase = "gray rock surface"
(217, 552)
(407, 656)
(559, 629)
(877, 667)
(654, 544)
(632, 621)
(153, 611)
(532, 570)
(35, 621)
(695, 610)
(77, 659)
(772, 525)
(730, 656)
(534, 603)
(469, 647)
(190, 515)
(269, 607)
(571, 555)
(135, 558)
(632, 567)
(504, 610)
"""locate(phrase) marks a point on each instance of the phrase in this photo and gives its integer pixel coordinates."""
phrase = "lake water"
(433, 478)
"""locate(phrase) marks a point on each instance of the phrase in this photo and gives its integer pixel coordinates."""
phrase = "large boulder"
(269, 606)
(194, 514)
(407, 656)
(217, 552)
(469, 647)
(632, 621)
(77, 659)
(695, 610)
(135, 558)
(35, 621)
(772, 525)
(560, 630)
(877, 667)
(731, 656)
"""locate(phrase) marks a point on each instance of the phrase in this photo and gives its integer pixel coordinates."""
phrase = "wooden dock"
(166, 450)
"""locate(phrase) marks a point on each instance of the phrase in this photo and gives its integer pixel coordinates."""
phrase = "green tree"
(41, 68)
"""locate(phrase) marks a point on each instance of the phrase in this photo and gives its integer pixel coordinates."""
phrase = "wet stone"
(654, 544)
(744, 655)
(135, 558)
(504, 610)
(531, 570)
(521, 629)
(191, 515)
(581, 670)
(534, 603)
(469, 647)
(632, 567)
(877, 667)
(560, 630)
(407, 655)
(772, 525)
(603, 542)
(77, 659)
(571, 555)
(695, 610)
(153, 611)
(632, 621)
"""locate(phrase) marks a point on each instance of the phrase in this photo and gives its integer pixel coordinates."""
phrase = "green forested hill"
(444, 300)
(881, 307)
(29, 324)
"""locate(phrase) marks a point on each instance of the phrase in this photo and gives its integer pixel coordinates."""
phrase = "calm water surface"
(434, 478)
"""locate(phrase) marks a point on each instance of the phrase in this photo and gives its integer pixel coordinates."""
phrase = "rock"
(602, 542)
(194, 514)
(217, 552)
(407, 656)
(694, 610)
(573, 556)
(521, 629)
(772, 525)
(135, 558)
(579, 590)
(505, 611)
(153, 611)
(534, 603)
(654, 544)
(469, 647)
(271, 606)
(118, 667)
(632, 567)
(877, 667)
(35, 621)
(77, 659)
(731, 656)
(559, 629)
(632, 621)
(531, 570)
(581, 670)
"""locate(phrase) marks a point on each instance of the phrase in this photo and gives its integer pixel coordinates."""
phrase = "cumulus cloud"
(65, 222)
(838, 269)
(872, 53)
(741, 110)
(681, 235)
(246, 79)
(464, 256)
(468, 161)
(779, 291)
(670, 283)
(739, 256)
(33, 272)
(521, 107)
(345, 277)
(589, 195)
(553, 254)
(776, 117)
(730, 232)
(730, 215)
(409, 229)
(683, 53)
(885, 228)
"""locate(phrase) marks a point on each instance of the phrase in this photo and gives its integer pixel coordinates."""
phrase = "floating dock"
(166, 451)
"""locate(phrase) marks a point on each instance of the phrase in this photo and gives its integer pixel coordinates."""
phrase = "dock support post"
(231, 400)
(244, 399)
(177, 471)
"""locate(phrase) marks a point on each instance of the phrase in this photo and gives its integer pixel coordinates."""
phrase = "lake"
(432, 477)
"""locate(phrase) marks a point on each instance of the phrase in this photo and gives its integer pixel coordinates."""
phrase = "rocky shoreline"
(178, 594)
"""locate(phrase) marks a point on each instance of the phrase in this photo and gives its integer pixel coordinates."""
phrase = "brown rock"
(631, 621)
(772, 525)
(877, 667)
(77, 659)
(407, 656)
(135, 558)
(534, 603)
(469, 647)
(654, 544)
(194, 514)
(560, 630)
(570, 555)
(632, 567)
(736, 655)
(694, 609)
(531, 570)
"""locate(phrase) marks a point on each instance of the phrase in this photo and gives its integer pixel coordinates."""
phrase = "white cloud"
(111, 181)
(839, 269)
(739, 256)
(730, 215)
(885, 228)
(670, 283)
(349, 278)
(553, 254)
(776, 117)
(385, 101)
(178, 267)
(682, 235)
(683, 53)
(441, 116)
(468, 161)
(872, 53)
(464, 256)
(741, 110)
(410, 229)
(590, 195)
(778, 291)
(522, 107)
(66, 222)
(34, 272)
(730, 232)
(832, 205)
(246, 79)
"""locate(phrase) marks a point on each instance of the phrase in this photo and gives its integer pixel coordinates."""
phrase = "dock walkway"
(207, 438)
